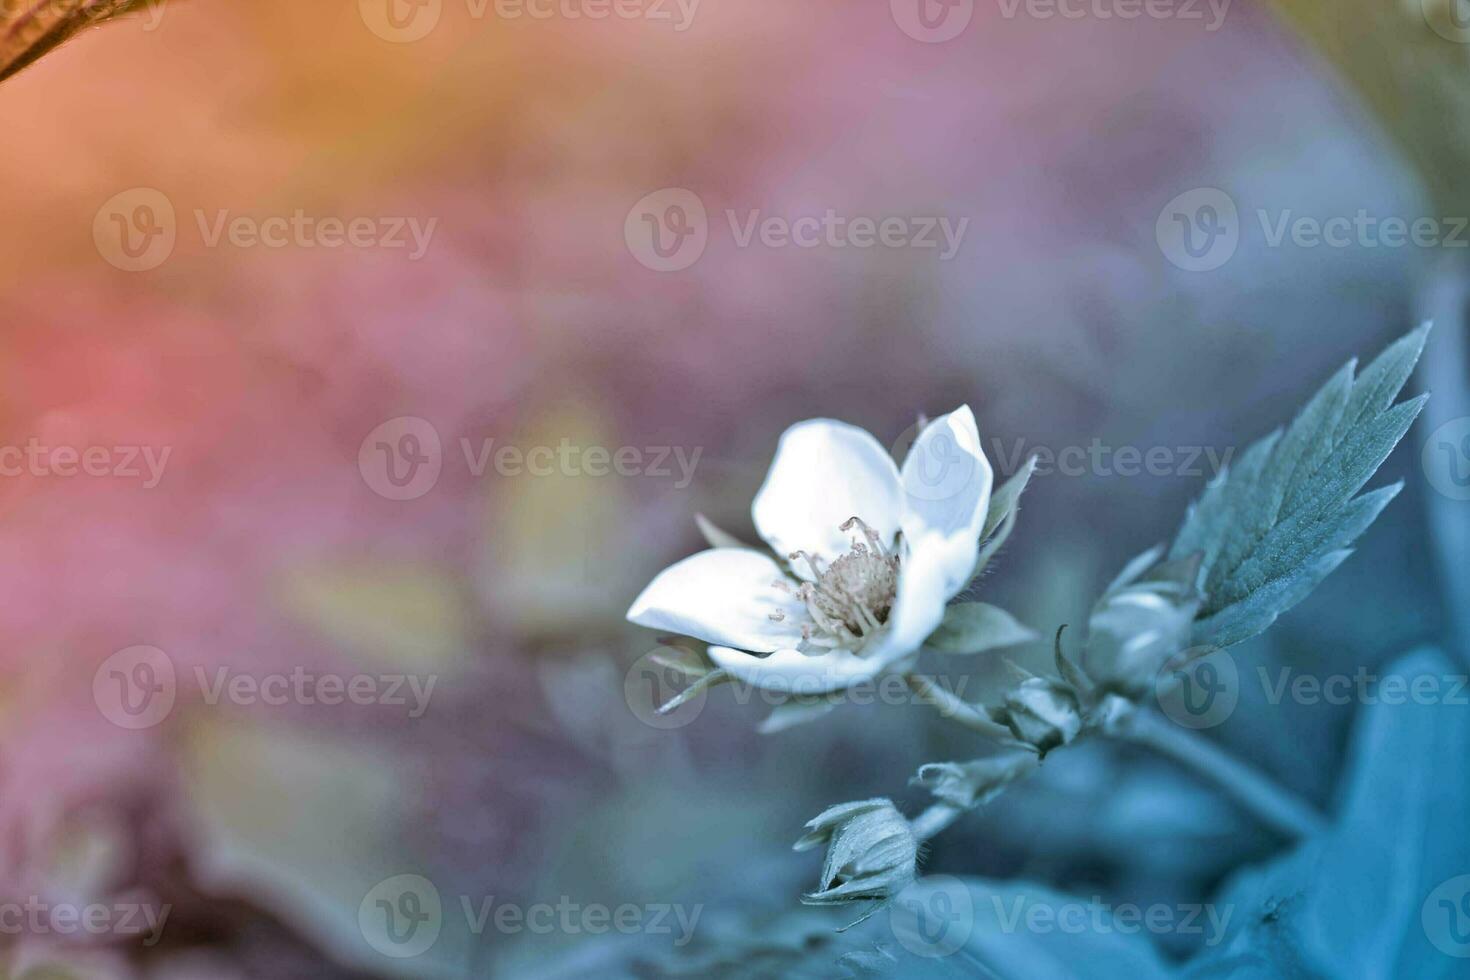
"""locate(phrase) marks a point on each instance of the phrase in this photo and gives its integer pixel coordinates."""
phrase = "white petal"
(824, 473)
(724, 595)
(947, 479)
(793, 672)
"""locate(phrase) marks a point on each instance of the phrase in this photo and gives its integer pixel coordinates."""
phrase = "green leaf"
(940, 928)
(717, 536)
(1270, 530)
(1007, 497)
(797, 711)
(1000, 518)
(1355, 903)
(975, 627)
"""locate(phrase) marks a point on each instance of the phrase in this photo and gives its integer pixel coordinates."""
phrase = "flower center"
(850, 598)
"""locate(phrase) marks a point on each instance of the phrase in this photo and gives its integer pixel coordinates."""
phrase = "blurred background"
(297, 302)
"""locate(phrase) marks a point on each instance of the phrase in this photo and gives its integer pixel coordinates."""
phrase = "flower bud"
(872, 853)
(1141, 623)
(974, 783)
(1043, 713)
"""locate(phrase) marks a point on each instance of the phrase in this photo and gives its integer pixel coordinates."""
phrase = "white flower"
(870, 554)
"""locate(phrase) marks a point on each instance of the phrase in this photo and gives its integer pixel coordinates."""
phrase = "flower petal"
(947, 479)
(724, 595)
(825, 472)
(793, 672)
(934, 570)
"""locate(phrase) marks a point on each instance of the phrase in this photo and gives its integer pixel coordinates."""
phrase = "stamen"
(849, 599)
(811, 561)
(868, 533)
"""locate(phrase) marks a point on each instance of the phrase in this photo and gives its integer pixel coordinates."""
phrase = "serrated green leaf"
(975, 627)
(1272, 528)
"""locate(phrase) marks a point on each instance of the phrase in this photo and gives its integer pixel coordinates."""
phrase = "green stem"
(935, 819)
(1271, 803)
